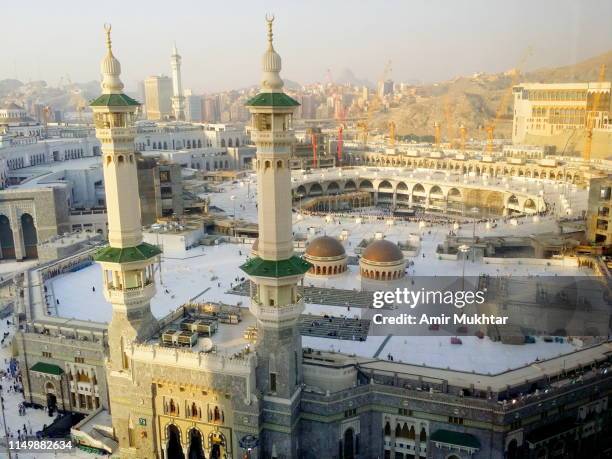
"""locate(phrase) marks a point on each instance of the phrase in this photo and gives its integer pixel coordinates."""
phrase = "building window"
(405, 412)
(455, 420)
(46, 354)
(79, 359)
(272, 382)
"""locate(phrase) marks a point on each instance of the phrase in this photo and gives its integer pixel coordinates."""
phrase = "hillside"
(473, 101)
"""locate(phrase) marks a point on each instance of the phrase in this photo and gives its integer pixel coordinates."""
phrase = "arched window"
(222, 143)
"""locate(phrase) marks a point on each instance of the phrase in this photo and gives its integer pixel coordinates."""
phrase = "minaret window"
(120, 159)
(266, 165)
(272, 382)
(279, 164)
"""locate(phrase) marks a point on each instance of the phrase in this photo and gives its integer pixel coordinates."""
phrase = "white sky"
(221, 42)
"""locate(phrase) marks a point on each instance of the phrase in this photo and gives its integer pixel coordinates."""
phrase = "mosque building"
(212, 381)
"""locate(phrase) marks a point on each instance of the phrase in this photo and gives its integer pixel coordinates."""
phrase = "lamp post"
(233, 199)
(474, 211)
(248, 443)
(464, 249)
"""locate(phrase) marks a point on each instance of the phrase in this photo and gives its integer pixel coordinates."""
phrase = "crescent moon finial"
(107, 29)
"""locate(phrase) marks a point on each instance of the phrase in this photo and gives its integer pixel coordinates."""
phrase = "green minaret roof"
(272, 99)
(141, 252)
(259, 267)
(113, 100)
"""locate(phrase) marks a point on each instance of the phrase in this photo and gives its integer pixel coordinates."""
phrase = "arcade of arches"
(18, 236)
(192, 443)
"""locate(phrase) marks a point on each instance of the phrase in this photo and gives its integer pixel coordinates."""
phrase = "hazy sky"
(221, 41)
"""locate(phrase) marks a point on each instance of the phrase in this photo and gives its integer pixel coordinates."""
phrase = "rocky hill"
(474, 101)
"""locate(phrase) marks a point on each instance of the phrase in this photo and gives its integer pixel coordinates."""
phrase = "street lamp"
(248, 443)
(474, 211)
(464, 249)
(233, 199)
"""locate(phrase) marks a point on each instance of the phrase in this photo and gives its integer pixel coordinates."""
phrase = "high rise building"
(158, 97)
(555, 114)
(127, 263)
(193, 107)
(276, 271)
(211, 110)
(178, 99)
(385, 88)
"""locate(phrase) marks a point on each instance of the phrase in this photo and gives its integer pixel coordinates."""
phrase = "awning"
(48, 368)
(451, 438)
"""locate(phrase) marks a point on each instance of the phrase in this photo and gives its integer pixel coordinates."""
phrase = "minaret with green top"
(127, 263)
(276, 271)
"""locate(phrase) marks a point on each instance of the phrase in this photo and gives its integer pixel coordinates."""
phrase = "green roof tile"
(272, 99)
(455, 438)
(113, 100)
(48, 368)
(294, 266)
(141, 252)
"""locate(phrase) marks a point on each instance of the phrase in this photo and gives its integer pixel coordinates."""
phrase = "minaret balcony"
(128, 295)
(278, 315)
(272, 136)
(116, 133)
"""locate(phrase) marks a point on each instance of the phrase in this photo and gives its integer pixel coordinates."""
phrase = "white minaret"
(178, 98)
(276, 271)
(127, 263)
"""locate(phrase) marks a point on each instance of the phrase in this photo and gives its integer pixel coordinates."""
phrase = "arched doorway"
(349, 442)
(30, 239)
(217, 445)
(7, 244)
(174, 449)
(51, 398)
(196, 448)
(512, 450)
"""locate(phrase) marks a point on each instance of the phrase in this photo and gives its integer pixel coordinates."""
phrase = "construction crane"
(591, 116)
(313, 139)
(503, 103)
(450, 133)
(392, 134)
(437, 133)
(463, 134)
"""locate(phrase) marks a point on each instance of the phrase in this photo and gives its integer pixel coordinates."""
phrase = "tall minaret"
(178, 99)
(127, 263)
(276, 271)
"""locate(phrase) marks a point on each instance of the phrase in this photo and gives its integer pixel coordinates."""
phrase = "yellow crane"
(463, 134)
(490, 128)
(437, 133)
(392, 134)
(591, 115)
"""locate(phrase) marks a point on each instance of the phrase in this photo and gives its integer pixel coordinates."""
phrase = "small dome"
(271, 61)
(325, 247)
(382, 252)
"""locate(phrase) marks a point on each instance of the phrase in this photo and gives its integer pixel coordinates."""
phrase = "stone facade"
(30, 216)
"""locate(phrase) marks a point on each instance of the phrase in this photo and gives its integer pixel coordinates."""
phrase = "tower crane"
(392, 134)
(490, 128)
(591, 115)
(463, 134)
(437, 133)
